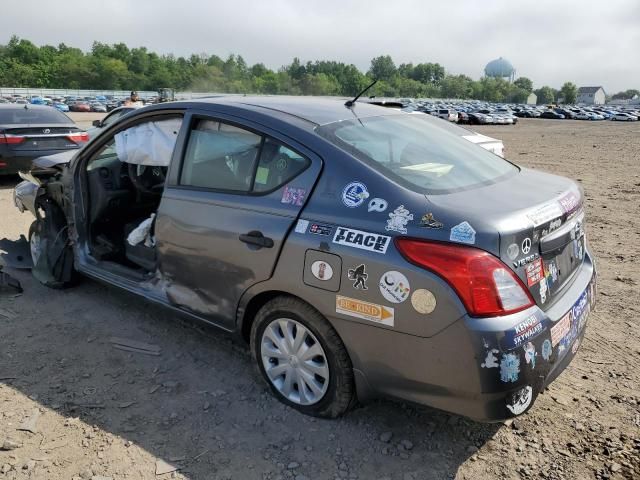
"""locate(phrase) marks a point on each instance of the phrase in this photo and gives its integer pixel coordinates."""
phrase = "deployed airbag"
(150, 143)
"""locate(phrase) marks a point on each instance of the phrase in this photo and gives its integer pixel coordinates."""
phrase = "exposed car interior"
(125, 180)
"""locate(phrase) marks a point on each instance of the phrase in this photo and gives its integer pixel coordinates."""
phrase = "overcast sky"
(549, 41)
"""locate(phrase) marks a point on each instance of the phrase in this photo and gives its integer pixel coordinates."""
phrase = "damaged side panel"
(53, 210)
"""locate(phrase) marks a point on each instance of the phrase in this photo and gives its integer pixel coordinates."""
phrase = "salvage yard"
(97, 384)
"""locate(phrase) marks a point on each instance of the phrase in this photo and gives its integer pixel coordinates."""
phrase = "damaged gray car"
(361, 252)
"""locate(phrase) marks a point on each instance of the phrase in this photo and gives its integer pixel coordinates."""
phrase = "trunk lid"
(44, 137)
(532, 221)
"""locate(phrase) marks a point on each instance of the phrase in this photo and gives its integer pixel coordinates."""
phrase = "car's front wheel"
(302, 358)
(35, 242)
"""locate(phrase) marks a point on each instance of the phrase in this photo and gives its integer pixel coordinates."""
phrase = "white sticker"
(423, 301)
(354, 194)
(543, 290)
(545, 213)
(321, 270)
(513, 251)
(398, 220)
(463, 233)
(522, 400)
(377, 205)
(526, 246)
(301, 226)
(372, 242)
(394, 287)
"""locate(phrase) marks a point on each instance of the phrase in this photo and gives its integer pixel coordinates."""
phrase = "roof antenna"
(350, 103)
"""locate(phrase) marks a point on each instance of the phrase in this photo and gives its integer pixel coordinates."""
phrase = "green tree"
(569, 92)
(382, 68)
(456, 86)
(524, 83)
(545, 95)
(626, 95)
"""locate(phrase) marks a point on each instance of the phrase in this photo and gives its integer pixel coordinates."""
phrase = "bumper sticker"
(560, 329)
(354, 194)
(377, 205)
(526, 330)
(491, 361)
(463, 233)
(398, 220)
(424, 301)
(365, 310)
(359, 277)
(521, 400)
(509, 367)
(547, 349)
(534, 272)
(530, 354)
(394, 287)
(362, 240)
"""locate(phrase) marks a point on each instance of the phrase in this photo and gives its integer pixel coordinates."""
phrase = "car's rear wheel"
(302, 358)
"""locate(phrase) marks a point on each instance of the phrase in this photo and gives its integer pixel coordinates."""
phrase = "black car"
(31, 131)
(565, 112)
(552, 114)
(524, 114)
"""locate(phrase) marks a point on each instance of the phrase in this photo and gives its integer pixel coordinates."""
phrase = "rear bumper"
(487, 369)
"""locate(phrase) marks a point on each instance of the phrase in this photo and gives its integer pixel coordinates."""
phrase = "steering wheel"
(147, 179)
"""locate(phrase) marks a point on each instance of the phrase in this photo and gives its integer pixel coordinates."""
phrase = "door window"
(225, 157)
(220, 156)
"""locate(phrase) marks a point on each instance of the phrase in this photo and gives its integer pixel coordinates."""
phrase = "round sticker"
(354, 194)
(512, 251)
(526, 245)
(423, 301)
(321, 270)
(394, 287)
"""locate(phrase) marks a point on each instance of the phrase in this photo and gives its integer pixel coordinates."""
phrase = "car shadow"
(9, 181)
(199, 404)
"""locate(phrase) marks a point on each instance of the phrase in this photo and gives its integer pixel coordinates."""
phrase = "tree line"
(118, 67)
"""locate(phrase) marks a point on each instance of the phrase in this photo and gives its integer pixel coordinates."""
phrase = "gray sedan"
(359, 251)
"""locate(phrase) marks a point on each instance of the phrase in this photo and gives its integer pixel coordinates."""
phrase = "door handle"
(256, 238)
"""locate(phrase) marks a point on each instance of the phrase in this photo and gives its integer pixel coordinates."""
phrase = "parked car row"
(484, 113)
(67, 103)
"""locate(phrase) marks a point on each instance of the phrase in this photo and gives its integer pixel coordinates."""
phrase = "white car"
(448, 114)
(584, 116)
(624, 117)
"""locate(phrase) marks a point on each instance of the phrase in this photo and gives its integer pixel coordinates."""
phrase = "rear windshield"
(418, 154)
(44, 115)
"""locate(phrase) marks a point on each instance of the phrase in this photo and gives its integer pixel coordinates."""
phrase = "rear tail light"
(485, 285)
(8, 139)
(79, 137)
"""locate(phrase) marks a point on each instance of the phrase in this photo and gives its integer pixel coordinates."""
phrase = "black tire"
(34, 229)
(340, 394)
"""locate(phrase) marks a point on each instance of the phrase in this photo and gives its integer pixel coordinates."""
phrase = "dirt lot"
(199, 405)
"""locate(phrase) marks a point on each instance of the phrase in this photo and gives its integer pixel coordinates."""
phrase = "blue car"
(61, 107)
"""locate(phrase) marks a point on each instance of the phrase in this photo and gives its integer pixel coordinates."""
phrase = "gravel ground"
(74, 407)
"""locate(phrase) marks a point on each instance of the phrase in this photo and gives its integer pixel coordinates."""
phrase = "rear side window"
(278, 164)
(221, 156)
(418, 154)
(44, 115)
